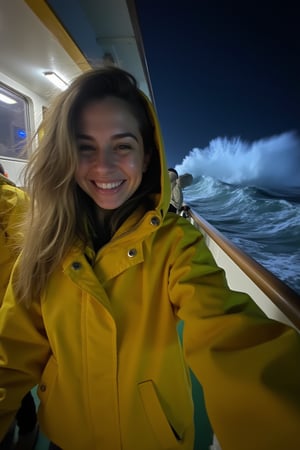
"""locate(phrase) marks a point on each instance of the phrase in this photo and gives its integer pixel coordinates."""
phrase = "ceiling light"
(56, 80)
(6, 99)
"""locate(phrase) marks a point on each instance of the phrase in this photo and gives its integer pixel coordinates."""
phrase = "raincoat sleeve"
(247, 364)
(24, 351)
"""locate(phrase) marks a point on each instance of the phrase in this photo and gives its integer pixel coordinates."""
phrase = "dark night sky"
(222, 69)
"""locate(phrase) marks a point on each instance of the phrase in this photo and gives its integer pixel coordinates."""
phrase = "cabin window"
(14, 123)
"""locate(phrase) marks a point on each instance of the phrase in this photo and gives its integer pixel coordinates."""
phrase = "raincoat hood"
(162, 201)
(4, 181)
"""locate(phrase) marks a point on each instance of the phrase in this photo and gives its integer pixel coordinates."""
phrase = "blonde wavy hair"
(60, 211)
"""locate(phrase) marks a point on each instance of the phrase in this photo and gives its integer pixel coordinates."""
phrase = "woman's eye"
(124, 147)
(85, 148)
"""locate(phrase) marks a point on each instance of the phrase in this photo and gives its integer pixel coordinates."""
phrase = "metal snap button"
(155, 221)
(132, 252)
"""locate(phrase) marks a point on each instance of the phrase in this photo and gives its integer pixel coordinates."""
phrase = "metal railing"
(285, 298)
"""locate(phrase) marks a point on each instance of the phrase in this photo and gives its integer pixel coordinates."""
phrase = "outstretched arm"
(247, 364)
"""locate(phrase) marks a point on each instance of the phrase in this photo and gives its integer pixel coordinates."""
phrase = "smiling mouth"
(109, 186)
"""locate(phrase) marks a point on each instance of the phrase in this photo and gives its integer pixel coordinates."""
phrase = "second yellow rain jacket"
(13, 204)
(102, 345)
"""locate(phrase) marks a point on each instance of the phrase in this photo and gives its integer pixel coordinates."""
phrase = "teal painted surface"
(204, 434)
(203, 430)
(42, 442)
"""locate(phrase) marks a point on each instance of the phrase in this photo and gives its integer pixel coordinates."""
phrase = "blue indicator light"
(21, 134)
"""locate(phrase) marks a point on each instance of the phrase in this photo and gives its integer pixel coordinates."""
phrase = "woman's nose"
(104, 159)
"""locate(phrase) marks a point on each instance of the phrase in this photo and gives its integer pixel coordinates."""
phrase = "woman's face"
(111, 152)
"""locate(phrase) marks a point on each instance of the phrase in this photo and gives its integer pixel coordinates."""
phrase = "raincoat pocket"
(162, 427)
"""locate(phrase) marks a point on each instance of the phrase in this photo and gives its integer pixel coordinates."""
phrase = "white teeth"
(108, 185)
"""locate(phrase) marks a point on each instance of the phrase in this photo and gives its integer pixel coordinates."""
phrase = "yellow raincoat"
(102, 345)
(13, 204)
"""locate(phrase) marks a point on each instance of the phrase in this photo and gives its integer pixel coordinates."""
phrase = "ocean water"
(251, 193)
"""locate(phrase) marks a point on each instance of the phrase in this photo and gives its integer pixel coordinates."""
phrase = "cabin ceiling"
(98, 27)
(28, 49)
(107, 30)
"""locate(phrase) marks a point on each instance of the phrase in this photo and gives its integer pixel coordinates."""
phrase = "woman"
(106, 274)
(176, 191)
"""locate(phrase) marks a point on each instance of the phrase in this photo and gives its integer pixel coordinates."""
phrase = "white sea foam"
(271, 162)
(263, 224)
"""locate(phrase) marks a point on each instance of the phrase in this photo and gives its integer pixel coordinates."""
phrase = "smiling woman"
(111, 153)
(106, 274)
(100, 337)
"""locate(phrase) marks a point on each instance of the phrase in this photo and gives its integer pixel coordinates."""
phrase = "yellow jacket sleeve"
(247, 364)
